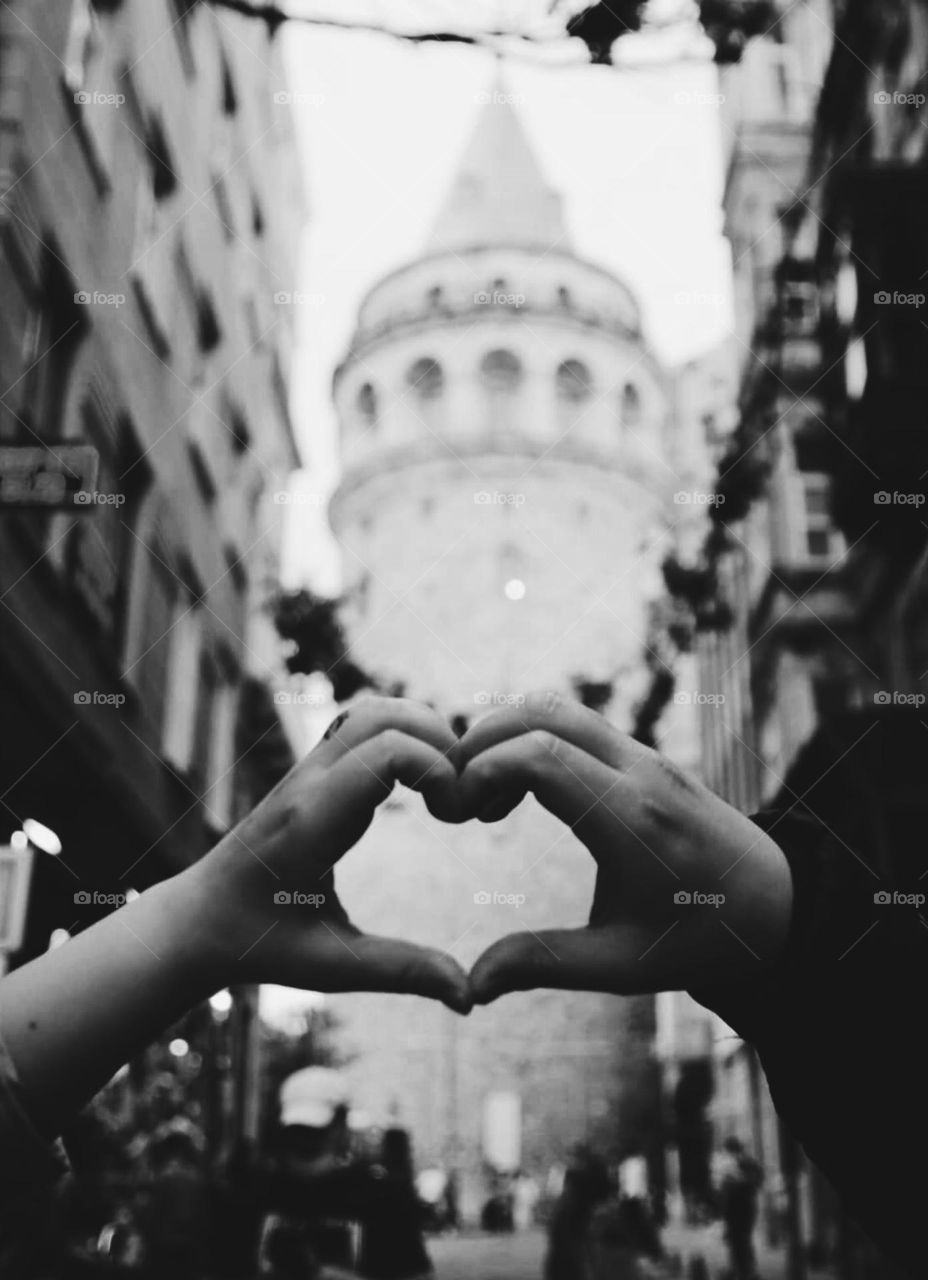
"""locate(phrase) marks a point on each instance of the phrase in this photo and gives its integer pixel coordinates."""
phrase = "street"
(515, 1257)
(521, 1256)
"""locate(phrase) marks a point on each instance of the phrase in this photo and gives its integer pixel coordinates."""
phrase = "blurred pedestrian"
(175, 1206)
(525, 1195)
(301, 1230)
(741, 1179)
(393, 1247)
(586, 1185)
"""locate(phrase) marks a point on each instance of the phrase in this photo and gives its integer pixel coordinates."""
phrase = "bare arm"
(72, 1017)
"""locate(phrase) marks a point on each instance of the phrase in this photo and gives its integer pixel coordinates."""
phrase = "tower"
(503, 513)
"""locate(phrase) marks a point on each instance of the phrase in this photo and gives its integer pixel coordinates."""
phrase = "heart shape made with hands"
(663, 845)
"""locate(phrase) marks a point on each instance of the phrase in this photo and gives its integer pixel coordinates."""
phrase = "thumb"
(559, 958)
(391, 965)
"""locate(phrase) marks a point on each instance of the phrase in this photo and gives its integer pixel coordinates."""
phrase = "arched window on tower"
(574, 381)
(631, 405)
(574, 386)
(425, 379)
(368, 406)
(501, 372)
(425, 385)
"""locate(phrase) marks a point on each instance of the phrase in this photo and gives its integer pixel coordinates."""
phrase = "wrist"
(198, 938)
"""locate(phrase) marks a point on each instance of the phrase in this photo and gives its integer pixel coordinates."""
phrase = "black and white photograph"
(463, 639)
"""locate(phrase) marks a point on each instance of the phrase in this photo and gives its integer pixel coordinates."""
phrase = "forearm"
(72, 1017)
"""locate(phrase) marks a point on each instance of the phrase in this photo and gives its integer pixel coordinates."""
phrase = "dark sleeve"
(840, 1029)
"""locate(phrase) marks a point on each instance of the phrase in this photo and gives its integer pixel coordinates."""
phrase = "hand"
(268, 888)
(688, 890)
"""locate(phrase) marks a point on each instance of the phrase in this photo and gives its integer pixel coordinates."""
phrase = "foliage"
(728, 23)
(595, 694)
(313, 628)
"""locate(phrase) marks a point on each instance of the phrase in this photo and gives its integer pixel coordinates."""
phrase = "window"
(239, 435)
(799, 305)
(223, 204)
(201, 312)
(238, 571)
(257, 218)
(183, 682)
(163, 177)
(180, 25)
(819, 533)
(152, 277)
(368, 407)
(574, 381)
(631, 405)
(501, 371)
(426, 379)
(88, 84)
(218, 728)
(202, 473)
(229, 98)
(100, 553)
(53, 330)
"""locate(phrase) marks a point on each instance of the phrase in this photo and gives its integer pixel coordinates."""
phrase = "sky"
(382, 127)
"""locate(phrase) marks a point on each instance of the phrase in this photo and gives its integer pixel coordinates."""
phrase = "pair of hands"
(667, 850)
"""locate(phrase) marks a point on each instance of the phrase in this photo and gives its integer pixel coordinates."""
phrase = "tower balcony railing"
(510, 304)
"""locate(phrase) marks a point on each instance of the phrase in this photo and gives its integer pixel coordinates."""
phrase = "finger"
(563, 959)
(552, 713)
(391, 965)
(370, 716)
(584, 793)
(364, 777)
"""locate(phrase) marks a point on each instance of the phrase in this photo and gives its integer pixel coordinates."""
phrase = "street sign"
(53, 476)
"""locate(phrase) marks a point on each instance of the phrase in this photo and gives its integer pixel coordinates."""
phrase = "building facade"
(505, 503)
(811, 576)
(149, 214)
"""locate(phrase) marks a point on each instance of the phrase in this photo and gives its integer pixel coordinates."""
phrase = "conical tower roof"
(500, 194)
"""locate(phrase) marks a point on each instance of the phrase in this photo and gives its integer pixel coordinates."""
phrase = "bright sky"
(382, 126)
